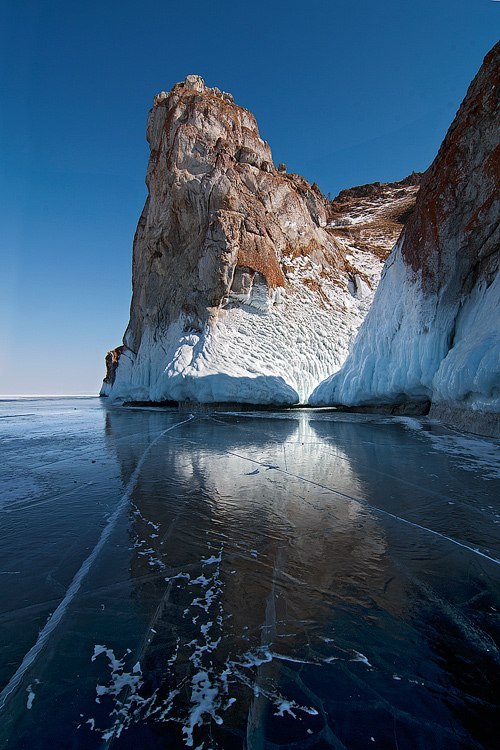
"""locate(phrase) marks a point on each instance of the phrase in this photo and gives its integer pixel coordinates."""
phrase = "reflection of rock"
(457, 628)
(290, 552)
(129, 433)
(231, 480)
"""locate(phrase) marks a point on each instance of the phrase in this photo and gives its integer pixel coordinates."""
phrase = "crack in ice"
(374, 508)
(56, 617)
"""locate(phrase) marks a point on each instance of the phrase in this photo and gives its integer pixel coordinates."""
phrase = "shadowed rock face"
(432, 331)
(112, 359)
(240, 270)
(452, 237)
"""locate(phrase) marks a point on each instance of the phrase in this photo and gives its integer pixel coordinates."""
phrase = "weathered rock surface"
(248, 284)
(433, 330)
(372, 216)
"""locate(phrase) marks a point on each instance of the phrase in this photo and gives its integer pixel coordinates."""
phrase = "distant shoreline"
(10, 397)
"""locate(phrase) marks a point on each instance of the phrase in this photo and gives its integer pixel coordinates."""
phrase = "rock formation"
(248, 284)
(433, 331)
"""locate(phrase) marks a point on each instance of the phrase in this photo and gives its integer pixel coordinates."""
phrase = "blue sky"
(344, 92)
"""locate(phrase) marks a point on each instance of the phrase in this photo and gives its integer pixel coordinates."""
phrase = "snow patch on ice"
(358, 656)
(409, 422)
(213, 670)
(31, 697)
(123, 690)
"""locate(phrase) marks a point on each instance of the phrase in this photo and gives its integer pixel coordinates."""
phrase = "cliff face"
(248, 285)
(432, 332)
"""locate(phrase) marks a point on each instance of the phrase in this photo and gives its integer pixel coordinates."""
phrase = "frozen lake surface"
(301, 579)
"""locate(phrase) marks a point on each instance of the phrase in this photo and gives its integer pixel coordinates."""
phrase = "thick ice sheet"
(305, 579)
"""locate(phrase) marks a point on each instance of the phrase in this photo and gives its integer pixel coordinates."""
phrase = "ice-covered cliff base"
(274, 353)
(415, 347)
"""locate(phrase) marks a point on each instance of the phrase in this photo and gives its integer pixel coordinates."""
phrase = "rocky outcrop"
(372, 216)
(433, 332)
(248, 284)
(112, 359)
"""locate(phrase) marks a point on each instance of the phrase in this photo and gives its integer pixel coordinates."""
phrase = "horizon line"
(49, 395)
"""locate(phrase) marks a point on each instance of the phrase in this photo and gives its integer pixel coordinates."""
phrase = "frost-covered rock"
(244, 287)
(433, 330)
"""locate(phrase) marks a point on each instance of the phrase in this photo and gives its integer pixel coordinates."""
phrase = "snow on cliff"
(248, 285)
(433, 330)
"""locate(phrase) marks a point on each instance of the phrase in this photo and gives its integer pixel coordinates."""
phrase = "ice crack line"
(77, 581)
(372, 507)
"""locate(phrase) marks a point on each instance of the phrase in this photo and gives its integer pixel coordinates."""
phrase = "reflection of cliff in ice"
(260, 489)
(294, 580)
(256, 559)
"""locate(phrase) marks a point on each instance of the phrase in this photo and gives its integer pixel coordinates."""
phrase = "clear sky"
(345, 92)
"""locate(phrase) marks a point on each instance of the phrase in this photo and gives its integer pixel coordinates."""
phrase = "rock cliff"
(433, 331)
(248, 284)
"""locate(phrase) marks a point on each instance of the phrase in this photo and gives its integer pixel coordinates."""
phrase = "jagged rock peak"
(195, 83)
(373, 215)
(225, 130)
(375, 190)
